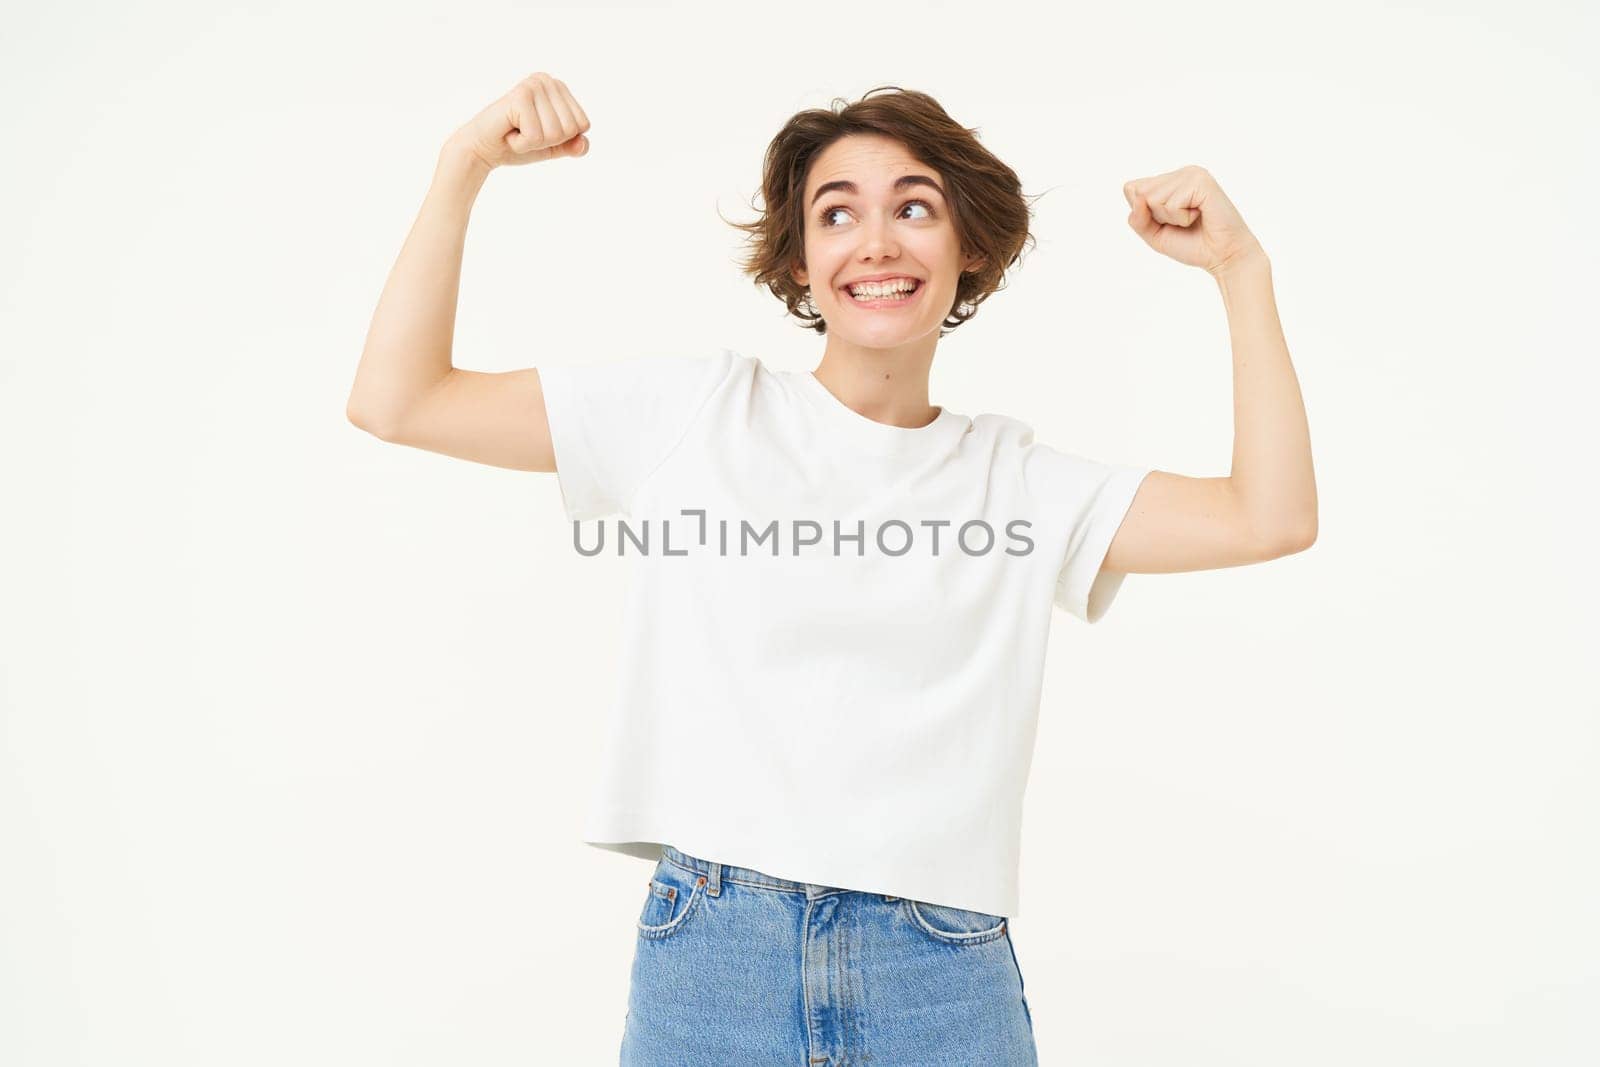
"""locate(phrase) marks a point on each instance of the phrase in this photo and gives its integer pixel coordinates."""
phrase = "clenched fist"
(1185, 214)
(537, 120)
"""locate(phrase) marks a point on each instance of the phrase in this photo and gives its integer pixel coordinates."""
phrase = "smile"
(890, 300)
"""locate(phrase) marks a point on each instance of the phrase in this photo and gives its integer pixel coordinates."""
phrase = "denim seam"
(977, 937)
(1022, 985)
(805, 983)
(672, 926)
(737, 881)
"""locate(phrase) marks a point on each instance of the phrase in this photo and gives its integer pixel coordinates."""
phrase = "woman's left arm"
(1267, 506)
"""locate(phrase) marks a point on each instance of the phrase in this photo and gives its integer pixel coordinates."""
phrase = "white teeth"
(876, 291)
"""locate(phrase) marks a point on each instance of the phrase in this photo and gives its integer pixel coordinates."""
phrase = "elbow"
(363, 418)
(1306, 529)
(1296, 537)
(1277, 527)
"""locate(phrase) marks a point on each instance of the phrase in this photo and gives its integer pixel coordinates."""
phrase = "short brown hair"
(987, 206)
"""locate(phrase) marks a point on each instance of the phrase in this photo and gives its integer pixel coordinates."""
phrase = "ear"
(972, 264)
(800, 275)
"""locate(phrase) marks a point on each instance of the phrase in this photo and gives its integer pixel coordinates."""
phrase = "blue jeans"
(736, 968)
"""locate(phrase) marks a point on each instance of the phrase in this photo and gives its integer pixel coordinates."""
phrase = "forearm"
(1272, 473)
(408, 346)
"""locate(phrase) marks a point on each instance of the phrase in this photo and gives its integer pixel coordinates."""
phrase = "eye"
(827, 212)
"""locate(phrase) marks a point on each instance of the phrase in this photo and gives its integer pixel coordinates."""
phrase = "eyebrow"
(904, 182)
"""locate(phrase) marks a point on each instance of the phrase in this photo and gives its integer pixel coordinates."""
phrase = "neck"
(887, 385)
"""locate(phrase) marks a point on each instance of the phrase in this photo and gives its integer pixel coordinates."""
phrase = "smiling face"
(873, 209)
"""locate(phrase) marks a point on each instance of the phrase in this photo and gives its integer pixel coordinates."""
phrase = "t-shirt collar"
(878, 437)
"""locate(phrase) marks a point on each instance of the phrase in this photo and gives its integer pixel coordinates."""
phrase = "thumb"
(578, 146)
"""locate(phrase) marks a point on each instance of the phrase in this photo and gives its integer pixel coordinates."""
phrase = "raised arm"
(407, 390)
(1267, 505)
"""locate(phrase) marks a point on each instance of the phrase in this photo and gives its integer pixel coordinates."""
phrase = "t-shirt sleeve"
(1087, 499)
(613, 423)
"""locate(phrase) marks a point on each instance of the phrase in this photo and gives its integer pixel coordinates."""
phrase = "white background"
(296, 725)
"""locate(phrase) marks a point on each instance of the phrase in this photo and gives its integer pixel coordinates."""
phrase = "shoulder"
(1039, 470)
(1006, 437)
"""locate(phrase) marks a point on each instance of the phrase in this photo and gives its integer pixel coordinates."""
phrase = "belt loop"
(714, 887)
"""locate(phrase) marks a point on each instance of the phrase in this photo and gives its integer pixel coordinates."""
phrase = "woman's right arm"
(406, 390)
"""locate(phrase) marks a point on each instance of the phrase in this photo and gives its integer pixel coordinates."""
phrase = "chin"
(877, 338)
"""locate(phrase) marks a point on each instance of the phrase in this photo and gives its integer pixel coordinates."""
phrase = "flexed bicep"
(1180, 523)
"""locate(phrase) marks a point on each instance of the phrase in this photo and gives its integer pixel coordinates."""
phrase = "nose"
(877, 240)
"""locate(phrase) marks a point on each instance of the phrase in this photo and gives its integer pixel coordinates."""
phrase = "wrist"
(1253, 262)
(459, 169)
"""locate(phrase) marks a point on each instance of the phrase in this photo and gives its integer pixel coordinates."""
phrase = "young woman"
(836, 631)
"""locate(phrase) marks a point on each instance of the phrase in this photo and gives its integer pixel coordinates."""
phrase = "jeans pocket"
(955, 926)
(674, 895)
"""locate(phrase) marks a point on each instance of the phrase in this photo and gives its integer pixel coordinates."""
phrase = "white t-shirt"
(832, 663)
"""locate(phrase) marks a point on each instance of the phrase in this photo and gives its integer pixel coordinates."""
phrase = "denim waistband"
(716, 873)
